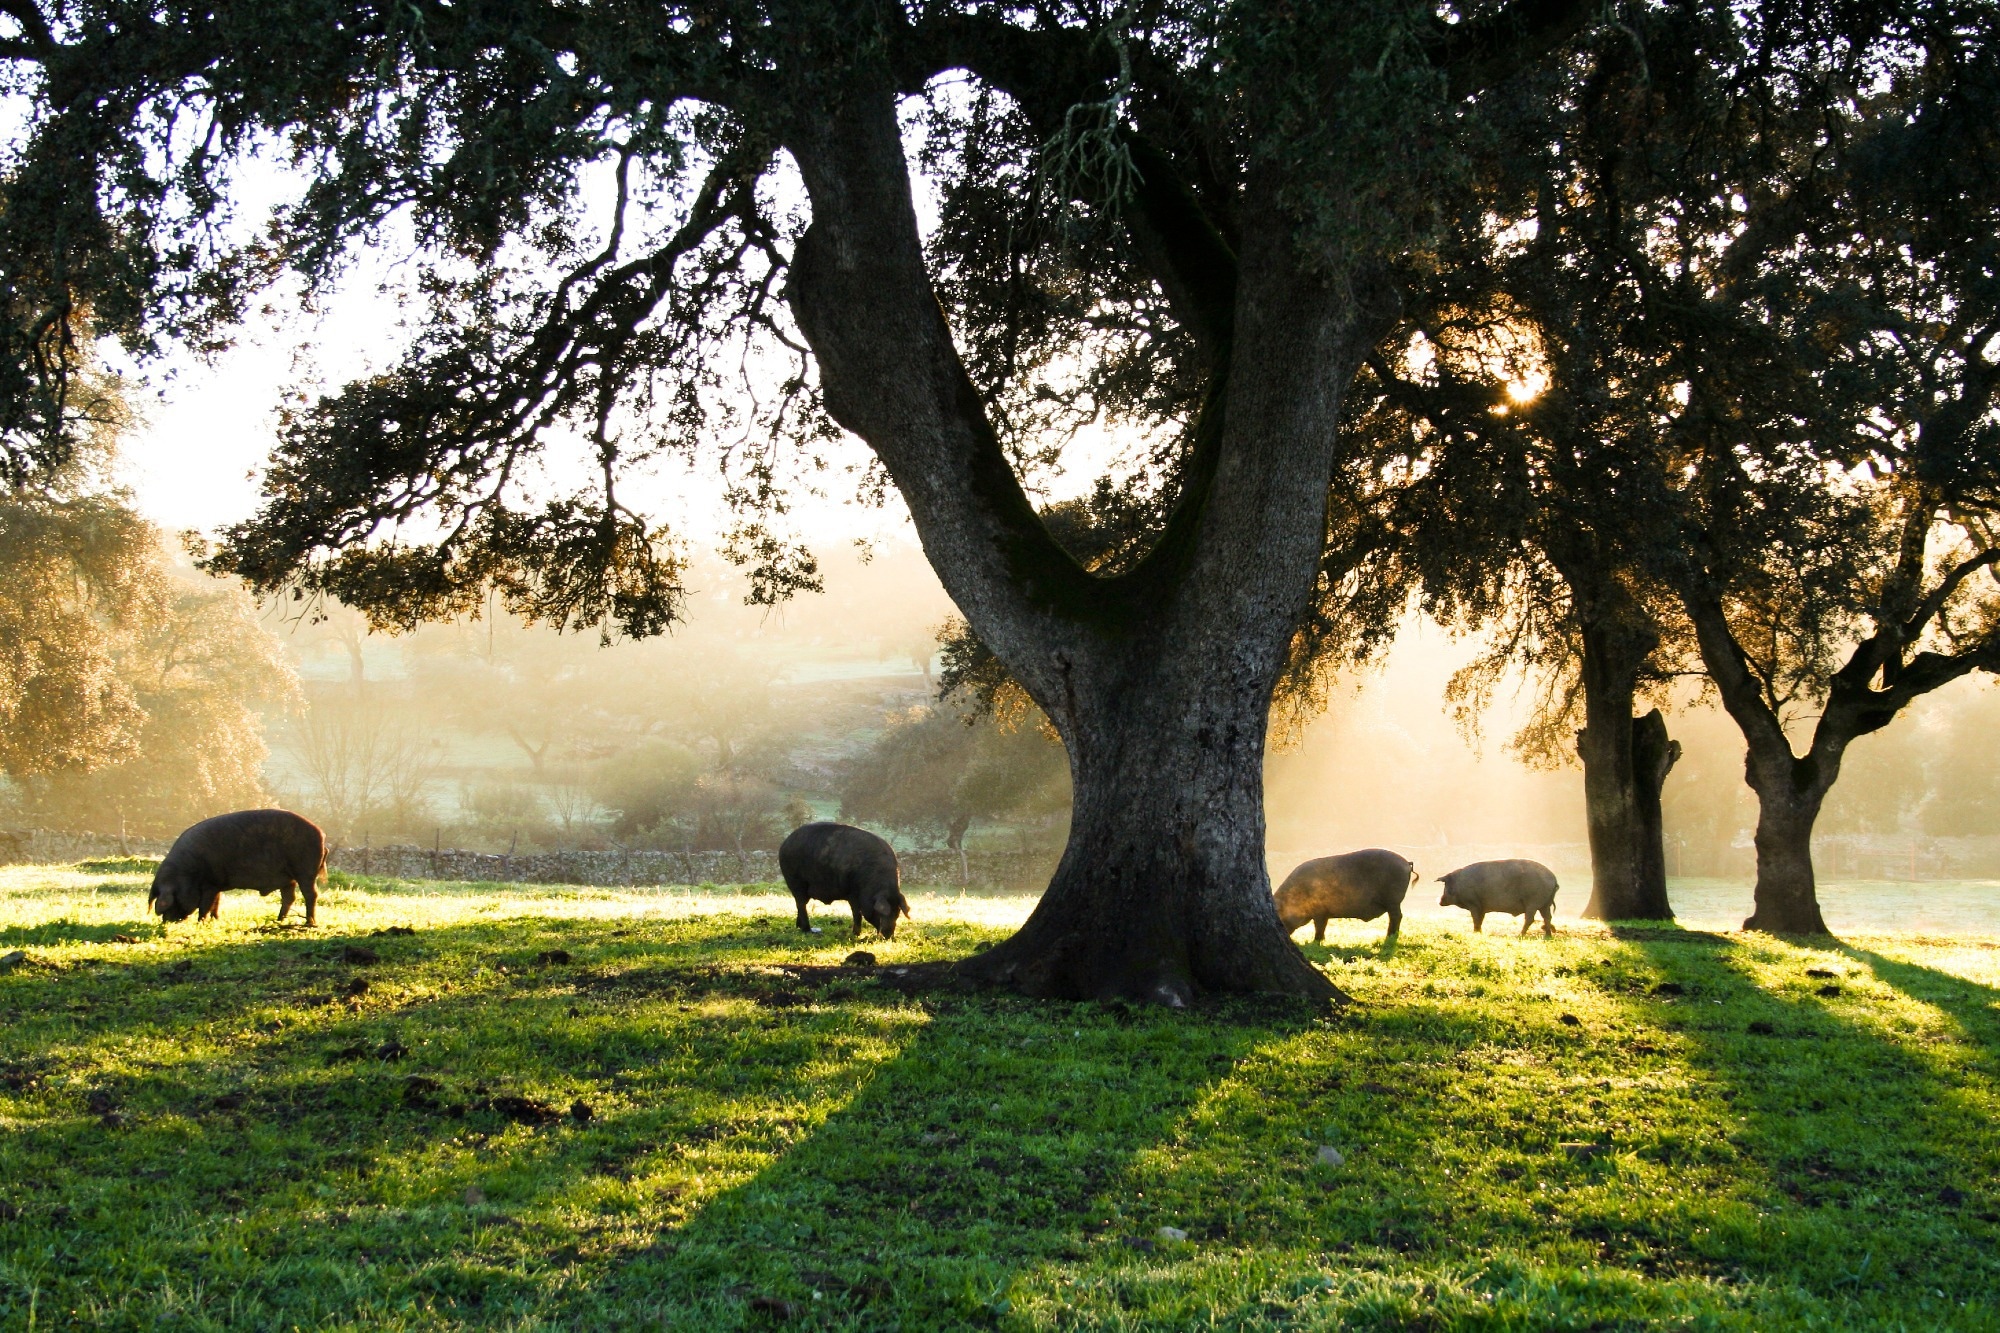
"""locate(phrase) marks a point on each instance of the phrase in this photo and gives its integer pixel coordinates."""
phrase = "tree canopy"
(1720, 401)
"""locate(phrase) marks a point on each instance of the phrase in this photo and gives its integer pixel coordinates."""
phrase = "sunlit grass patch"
(559, 1107)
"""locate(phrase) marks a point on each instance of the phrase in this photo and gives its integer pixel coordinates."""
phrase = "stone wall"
(991, 871)
(1001, 871)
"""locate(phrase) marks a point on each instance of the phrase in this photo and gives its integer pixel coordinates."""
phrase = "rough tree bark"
(1625, 764)
(1159, 680)
(1789, 789)
(1654, 755)
(1790, 792)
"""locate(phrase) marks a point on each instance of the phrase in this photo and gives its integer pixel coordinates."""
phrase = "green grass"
(217, 1127)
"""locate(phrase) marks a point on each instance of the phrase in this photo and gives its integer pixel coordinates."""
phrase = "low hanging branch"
(448, 435)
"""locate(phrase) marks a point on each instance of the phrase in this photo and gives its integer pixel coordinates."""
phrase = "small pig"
(250, 849)
(1521, 888)
(1360, 885)
(831, 863)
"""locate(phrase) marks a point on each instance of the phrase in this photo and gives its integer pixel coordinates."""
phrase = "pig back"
(1514, 887)
(838, 859)
(1361, 884)
(249, 849)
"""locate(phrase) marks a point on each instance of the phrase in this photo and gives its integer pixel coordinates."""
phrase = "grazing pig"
(831, 863)
(250, 849)
(1358, 885)
(1521, 888)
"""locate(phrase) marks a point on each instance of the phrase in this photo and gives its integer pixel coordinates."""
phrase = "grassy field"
(605, 1109)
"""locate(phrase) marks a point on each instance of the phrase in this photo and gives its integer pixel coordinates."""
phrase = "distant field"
(1912, 907)
(242, 1126)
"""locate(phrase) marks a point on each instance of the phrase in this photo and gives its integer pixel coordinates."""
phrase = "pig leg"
(1527, 919)
(1319, 929)
(1548, 921)
(799, 897)
(286, 896)
(857, 917)
(1477, 918)
(311, 890)
(1395, 922)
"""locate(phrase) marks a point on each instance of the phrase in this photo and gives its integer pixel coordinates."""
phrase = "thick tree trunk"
(1789, 796)
(1162, 889)
(1625, 764)
(1654, 755)
(1159, 679)
(1790, 789)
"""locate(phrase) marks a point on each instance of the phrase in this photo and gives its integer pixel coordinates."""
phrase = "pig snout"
(171, 905)
(884, 913)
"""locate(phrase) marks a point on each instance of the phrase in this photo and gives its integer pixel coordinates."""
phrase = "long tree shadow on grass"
(1877, 1154)
(1000, 1138)
(545, 1142)
(132, 1159)
(1974, 1007)
(65, 931)
(1622, 1133)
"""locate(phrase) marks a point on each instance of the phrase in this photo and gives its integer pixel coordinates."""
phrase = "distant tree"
(723, 702)
(1019, 775)
(575, 810)
(496, 675)
(1961, 795)
(935, 771)
(79, 577)
(366, 765)
(909, 778)
(501, 810)
(321, 625)
(650, 787)
(204, 672)
(129, 696)
(738, 812)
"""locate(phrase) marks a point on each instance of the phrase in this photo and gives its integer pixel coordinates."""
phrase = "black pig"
(832, 863)
(1519, 888)
(250, 849)
(1359, 885)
